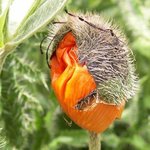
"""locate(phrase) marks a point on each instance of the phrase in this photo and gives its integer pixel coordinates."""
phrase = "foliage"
(30, 116)
(17, 26)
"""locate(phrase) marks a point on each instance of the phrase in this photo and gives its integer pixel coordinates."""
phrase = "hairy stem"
(4, 52)
(3, 56)
(94, 142)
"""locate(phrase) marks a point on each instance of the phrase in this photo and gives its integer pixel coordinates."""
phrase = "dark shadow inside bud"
(88, 102)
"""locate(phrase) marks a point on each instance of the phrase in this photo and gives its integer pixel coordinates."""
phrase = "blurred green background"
(31, 118)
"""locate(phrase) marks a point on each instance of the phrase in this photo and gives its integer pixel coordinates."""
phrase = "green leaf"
(19, 103)
(32, 9)
(111, 139)
(3, 14)
(131, 109)
(3, 141)
(142, 45)
(74, 138)
(146, 102)
(133, 19)
(18, 15)
(40, 18)
(76, 135)
(139, 143)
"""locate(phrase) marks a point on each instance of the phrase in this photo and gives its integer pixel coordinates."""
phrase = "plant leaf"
(38, 19)
(71, 138)
(3, 15)
(18, 15)
(75, 135)
(142, 45)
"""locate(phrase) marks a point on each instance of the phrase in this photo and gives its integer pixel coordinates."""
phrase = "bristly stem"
(94, 141)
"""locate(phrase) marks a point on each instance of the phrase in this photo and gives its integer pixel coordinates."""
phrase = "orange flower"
(72, 82)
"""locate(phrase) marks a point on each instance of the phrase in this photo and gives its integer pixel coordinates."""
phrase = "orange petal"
(97, 119)
(75, 88)
(72, 82)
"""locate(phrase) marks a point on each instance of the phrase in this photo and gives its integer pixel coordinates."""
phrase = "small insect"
(90, 101)
(69, 123)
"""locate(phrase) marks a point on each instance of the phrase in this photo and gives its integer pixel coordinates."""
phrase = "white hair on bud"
(104, 51)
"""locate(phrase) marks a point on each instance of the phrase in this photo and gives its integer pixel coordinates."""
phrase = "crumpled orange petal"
(72, 82)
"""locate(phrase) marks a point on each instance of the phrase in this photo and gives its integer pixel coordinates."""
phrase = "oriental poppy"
(91, 70)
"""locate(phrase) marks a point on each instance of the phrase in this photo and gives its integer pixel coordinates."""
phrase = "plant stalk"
(4, 52)
(94, 142)
(3, 56)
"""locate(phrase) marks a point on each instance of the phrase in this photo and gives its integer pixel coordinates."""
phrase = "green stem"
(4, 52)
(94, 143)
(3, 56)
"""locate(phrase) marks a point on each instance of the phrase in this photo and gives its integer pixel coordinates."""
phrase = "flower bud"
(91, 69)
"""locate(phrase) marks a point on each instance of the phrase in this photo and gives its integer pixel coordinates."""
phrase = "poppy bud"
(91, 70)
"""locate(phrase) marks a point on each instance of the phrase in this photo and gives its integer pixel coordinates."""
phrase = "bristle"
(105, 53)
